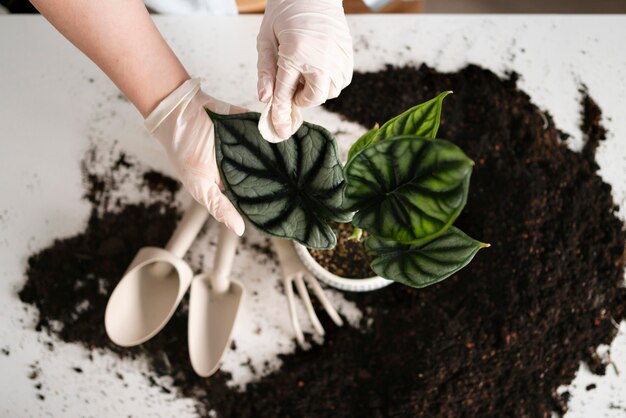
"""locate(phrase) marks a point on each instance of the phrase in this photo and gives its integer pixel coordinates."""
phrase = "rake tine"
(292, 311)
(321, 295)
(306, 300)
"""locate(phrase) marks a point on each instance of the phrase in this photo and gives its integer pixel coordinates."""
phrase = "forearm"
(120, 37)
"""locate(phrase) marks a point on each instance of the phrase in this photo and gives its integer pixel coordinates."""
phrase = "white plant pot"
(343, 283)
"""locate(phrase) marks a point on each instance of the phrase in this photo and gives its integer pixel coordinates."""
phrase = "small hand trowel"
(153, 286)
(213, 306)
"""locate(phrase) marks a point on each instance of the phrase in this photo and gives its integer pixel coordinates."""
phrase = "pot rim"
(343, 283)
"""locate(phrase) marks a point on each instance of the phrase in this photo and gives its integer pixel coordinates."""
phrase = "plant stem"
(356, 235)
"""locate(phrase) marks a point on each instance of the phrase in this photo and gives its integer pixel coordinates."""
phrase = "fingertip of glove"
(283, 132)
(264, 95)
(283, 124)
(238, 227)
(265, 126)
(265, 89)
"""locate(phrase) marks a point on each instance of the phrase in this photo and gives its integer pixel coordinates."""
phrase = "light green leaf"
(420, 265)
(367, 139)
(288, 190)
(421, 120)
(407, 189)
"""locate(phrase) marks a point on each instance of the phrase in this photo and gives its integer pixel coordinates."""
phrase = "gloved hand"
(305, 58)
(183, 127)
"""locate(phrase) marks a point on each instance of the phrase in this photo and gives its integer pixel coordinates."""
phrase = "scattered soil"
(494, 340)
(70, 281)
(592, 128)
(158, 182)
(35, 374)
(349, 258)
(265, 248)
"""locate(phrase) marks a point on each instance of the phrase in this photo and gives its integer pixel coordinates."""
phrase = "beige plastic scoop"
(153, 286)
(213, 306)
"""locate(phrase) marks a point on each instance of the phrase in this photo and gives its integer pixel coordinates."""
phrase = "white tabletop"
(53, 102)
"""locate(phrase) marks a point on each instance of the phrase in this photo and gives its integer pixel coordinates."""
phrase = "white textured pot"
(352, 285)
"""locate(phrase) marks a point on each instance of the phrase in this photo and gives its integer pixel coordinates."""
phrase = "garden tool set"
(155, 283)
(157, 279)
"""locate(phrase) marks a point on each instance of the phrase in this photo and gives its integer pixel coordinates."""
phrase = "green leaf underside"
(408, 189)
(421, 120)
(289, 189)
(421, 265)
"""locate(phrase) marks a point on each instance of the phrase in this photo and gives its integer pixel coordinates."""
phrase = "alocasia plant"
(400, 184)
(407, 188)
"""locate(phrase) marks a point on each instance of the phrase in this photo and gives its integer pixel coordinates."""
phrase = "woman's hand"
(183, 127)
(305, 58)
(120, 37)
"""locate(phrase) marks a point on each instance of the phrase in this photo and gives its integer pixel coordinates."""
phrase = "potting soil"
(494, 340)
(349, 258)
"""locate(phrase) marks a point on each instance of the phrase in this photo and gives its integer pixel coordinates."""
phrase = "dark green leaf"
(420, 265)
(289, 189)
(407, 189)
(421, 120)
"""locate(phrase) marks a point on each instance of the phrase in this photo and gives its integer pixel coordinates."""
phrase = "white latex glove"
(305, 58)
(183, 127)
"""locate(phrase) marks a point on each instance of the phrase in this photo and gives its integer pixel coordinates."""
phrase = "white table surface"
(50, 111)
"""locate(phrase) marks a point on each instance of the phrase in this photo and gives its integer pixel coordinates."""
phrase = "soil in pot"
(349, 258)
(497, 339)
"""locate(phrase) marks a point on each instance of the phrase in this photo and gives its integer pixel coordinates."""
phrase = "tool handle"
(289, 261)
(187, 229)
(223, 262)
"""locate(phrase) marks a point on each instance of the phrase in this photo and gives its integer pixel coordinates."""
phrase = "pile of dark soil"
(70, 281)
(349, 257)
(495, 340)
